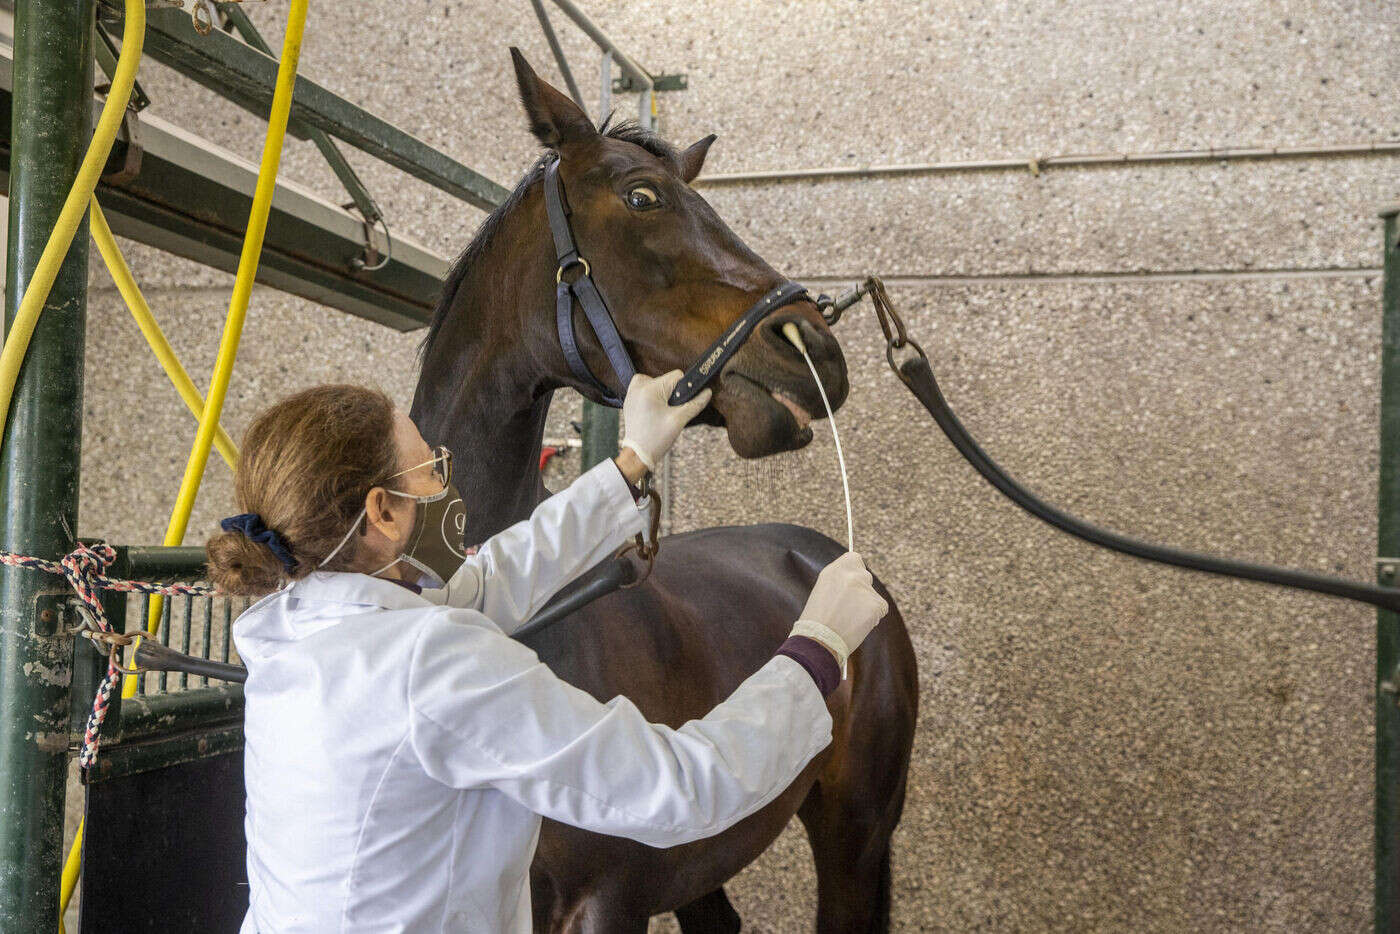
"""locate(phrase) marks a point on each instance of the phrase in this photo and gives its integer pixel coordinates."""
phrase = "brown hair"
(305, 467)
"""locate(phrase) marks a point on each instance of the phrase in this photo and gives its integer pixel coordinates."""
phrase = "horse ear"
(554, 118)
(694, 157)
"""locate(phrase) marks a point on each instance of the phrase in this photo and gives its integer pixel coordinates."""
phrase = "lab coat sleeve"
(516, 571)
(485, 712)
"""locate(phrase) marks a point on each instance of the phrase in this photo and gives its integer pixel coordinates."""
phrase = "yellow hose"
(126, 285)
(71, 867)
(238, 303)
(74, 207)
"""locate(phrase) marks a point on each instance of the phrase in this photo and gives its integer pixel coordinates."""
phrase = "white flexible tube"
(795, 338)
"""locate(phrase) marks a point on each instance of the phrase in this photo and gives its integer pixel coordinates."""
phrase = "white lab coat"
(401, 748)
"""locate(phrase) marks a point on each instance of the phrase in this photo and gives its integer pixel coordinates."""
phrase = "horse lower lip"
(798, 412)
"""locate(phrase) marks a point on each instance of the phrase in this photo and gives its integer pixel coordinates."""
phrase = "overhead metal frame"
(246, 76)
(191, 198)
(364, 202)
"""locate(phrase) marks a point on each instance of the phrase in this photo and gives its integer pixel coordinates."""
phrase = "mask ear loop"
(430, 498)
(353, 526)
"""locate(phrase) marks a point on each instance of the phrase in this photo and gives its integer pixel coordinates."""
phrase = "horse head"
(675, 276)
(674, 279)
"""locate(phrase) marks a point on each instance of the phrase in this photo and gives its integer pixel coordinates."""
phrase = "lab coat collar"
(356, 590)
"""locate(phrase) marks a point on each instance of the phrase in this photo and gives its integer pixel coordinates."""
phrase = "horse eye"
(642, 197)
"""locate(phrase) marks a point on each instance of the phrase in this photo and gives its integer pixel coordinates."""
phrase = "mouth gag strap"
(728, 344)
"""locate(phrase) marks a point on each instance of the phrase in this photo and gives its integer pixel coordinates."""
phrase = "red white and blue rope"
(85, 569)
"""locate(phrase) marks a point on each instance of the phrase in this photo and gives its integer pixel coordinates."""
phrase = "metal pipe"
(558, 51)
(629, 67)
(1039, 163)
(605, 87)
(51, 123)
(1387, 677)
(1099, 277)
(646, 101)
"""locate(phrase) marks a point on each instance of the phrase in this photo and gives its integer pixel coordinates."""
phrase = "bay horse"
(719, 601)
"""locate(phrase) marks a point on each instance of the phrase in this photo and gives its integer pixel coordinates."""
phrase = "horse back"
(717, 605)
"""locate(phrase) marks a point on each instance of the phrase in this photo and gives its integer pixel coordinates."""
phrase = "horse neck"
(494, 366)
(500, 457)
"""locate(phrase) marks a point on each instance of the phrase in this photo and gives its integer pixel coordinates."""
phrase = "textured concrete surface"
(1211, 216)
(1104, 745)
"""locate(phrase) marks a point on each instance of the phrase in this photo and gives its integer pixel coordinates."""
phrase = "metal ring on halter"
(892, 346)
(580, 261)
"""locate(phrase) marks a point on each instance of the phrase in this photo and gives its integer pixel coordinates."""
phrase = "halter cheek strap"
(585, 292)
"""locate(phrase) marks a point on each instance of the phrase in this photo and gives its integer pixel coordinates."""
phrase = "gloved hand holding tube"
(842, 608)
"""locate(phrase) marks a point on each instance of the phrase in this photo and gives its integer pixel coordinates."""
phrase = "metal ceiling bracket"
(1388, 570)
(626, 85)
(129, 139)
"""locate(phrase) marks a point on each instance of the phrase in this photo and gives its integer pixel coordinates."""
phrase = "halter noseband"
(595, 309)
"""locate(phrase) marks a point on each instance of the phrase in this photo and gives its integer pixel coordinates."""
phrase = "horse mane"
(628, 132)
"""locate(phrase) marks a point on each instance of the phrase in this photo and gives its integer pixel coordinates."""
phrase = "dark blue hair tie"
(251, 525)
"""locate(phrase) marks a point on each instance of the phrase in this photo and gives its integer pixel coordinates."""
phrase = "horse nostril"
(804, 333)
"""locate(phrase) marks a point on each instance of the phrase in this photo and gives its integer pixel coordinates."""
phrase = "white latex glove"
(842, 608)
(649, 424)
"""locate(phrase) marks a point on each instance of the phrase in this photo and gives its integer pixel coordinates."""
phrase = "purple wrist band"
(816, 659)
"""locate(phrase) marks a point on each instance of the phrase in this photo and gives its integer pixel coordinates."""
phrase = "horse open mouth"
(759, 420)
(799, 414)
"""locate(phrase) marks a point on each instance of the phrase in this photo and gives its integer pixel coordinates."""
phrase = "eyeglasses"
(441, 462)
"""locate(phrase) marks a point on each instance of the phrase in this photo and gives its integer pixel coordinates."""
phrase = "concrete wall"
(1103, 745)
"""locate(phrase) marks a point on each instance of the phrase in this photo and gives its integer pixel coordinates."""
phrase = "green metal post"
(1388, 572)
(51, 126)
(600, 424)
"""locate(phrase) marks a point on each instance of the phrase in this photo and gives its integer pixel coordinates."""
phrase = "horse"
(718, 601)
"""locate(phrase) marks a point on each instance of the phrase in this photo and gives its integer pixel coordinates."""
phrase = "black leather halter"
(585, 291)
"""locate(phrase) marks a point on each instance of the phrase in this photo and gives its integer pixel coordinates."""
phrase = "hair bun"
(243, 567)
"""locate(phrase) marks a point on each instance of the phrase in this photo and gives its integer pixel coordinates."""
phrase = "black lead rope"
(917, 375)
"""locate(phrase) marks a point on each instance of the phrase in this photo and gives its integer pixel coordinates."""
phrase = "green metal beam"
(39, 459)
(168, 747)
(246, 76)
(359, 194)
(1387, 838)
(191, 198)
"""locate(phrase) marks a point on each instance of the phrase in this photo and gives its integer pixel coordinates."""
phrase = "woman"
(400, 746)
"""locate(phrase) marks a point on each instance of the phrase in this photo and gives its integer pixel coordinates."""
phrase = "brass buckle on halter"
(579, 261)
